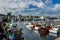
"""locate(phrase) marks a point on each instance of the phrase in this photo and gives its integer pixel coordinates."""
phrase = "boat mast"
(5, 10)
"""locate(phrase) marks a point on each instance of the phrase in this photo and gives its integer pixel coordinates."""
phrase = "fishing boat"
(44, 31)
(29, 26)
(53, 32)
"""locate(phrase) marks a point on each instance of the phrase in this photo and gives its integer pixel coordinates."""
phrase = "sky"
(56, 1)
(31, 7)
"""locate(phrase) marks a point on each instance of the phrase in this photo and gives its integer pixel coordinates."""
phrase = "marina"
(29, 19)
(33, 29)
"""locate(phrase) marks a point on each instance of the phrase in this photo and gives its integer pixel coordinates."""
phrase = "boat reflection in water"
(43, 31)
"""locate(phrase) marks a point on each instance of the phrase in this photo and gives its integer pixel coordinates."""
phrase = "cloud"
(57, 7)
(48, 1)
(29, 7)
(41, 5)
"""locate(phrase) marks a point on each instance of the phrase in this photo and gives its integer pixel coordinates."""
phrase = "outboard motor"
(18, 35)
(21, 34)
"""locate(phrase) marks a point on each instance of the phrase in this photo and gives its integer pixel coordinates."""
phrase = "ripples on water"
(45, 37)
